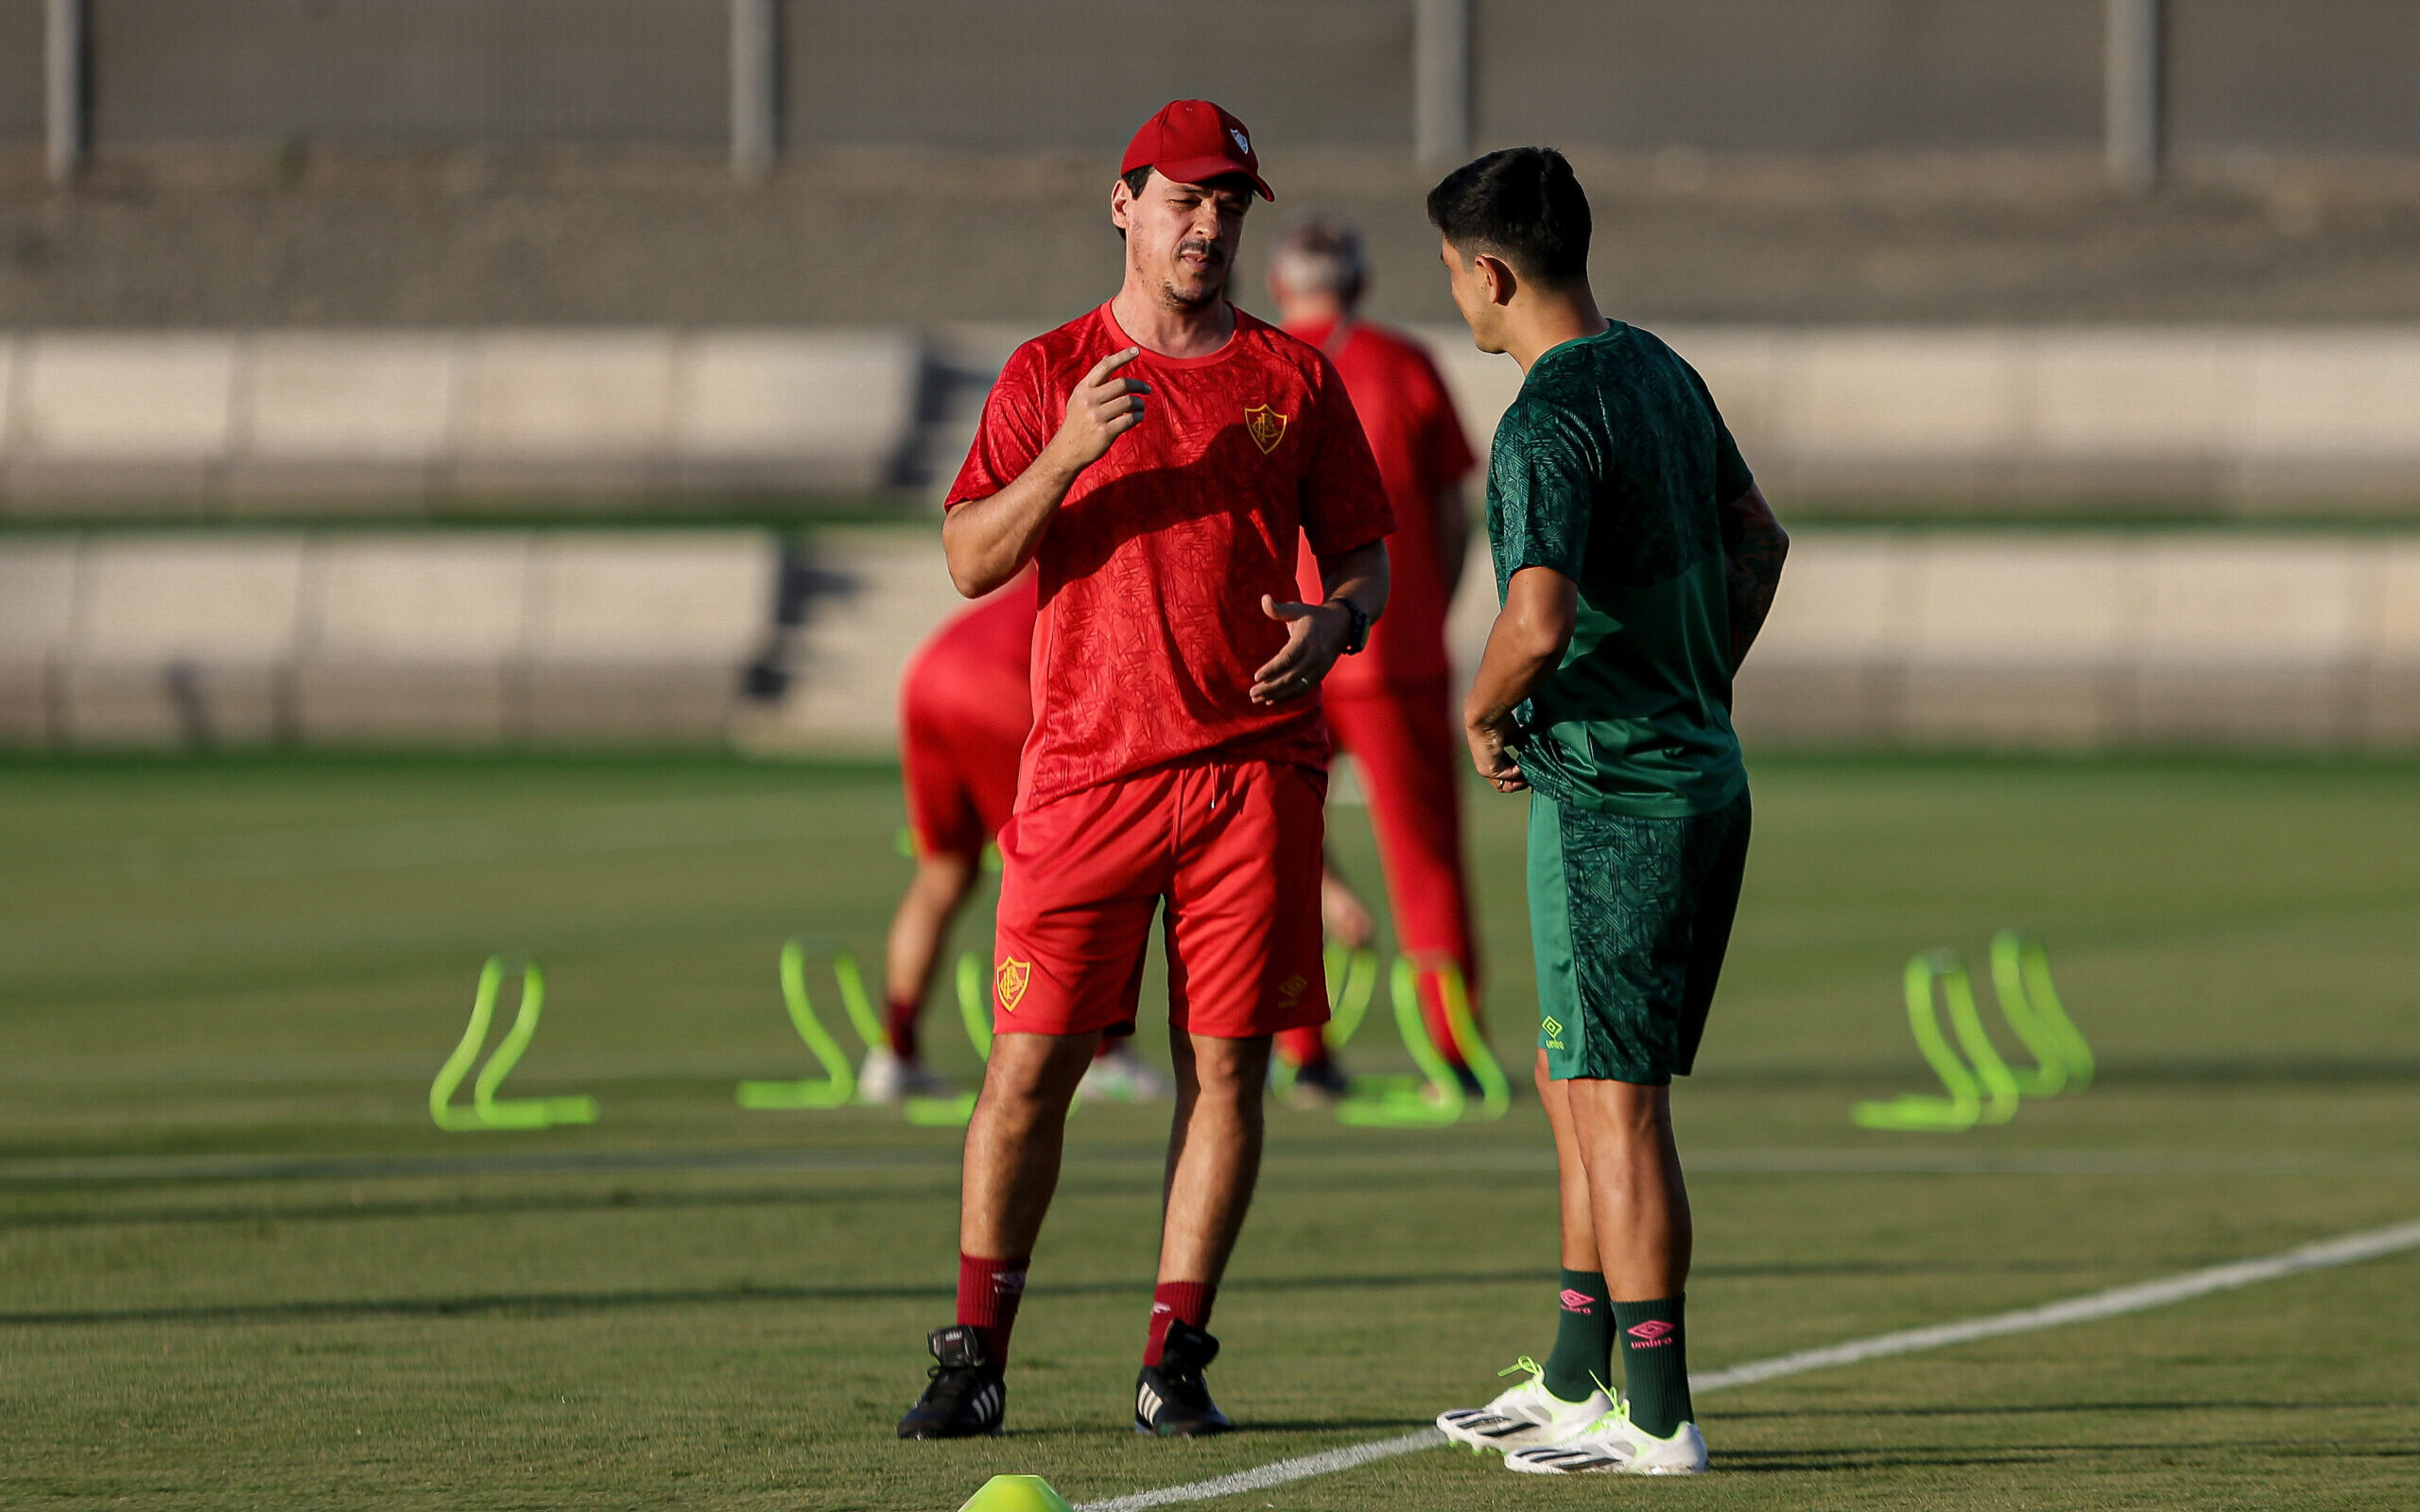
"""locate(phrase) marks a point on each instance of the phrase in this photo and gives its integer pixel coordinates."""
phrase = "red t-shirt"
(1153, 572)
(971, 681)
(1409, 420)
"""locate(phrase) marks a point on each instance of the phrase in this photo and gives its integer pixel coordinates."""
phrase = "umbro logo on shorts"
(1552, 1028)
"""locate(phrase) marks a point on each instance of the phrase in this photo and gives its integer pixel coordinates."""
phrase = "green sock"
(1656, 1363)
(1584, 1337)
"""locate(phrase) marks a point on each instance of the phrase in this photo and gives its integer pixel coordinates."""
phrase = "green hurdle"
(975, 1012)
(1983, 1088)
(487, 1112)
(1434, 1098)
(837, 1086)
(1352, 980)
(1495, 1090)
(2021, 976)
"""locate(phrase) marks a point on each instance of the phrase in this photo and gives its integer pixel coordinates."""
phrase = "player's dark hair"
(1522, 204)
(1135, 178)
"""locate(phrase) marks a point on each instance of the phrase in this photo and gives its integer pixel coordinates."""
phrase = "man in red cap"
(1157, 459)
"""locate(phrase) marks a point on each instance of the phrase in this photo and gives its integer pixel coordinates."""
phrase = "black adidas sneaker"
(1171, 1398)
(966, 1398)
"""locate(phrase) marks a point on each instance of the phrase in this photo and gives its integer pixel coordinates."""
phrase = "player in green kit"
(1636, 560)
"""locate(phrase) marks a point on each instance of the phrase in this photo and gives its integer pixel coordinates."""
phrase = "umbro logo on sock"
(1578, 1302)
(1650, 1334)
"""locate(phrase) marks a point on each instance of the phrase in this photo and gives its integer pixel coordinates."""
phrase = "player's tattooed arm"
(1754, 545)
(1524, 646)
(990, 539)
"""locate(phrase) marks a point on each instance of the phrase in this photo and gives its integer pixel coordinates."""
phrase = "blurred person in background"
(1391, 708)
(965, 704)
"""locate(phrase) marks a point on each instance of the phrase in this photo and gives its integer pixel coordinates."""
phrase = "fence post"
(1441, 81)
(2132, 93)
(755, 87)
(65, 110)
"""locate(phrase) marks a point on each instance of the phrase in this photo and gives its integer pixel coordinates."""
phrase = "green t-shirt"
(1611, 468)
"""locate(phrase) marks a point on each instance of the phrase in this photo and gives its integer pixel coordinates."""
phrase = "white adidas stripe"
(2348, 1250)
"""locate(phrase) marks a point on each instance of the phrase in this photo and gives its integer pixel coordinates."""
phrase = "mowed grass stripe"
(2348, 1249)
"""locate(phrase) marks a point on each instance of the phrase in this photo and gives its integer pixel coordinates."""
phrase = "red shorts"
(1233, 849)
(961, 781)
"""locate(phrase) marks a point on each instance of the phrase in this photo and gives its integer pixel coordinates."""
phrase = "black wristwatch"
(1357, 636)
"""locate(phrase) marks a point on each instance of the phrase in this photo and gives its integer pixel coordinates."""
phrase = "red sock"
(899, 1025)
(988, 1293)
(1173, 1302)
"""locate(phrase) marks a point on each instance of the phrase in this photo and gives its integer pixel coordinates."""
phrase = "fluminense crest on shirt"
(1267, 427)
(1010, 982)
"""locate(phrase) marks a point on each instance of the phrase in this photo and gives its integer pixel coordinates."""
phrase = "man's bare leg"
(1214, 1153)
(918, 927)
(1638, 1199)
(1014, 1141)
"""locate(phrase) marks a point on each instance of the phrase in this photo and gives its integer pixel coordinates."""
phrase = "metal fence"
(1023, 74)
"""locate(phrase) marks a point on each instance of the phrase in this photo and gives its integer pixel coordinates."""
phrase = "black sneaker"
(1319, 1085)
(967, 1399)
(1171, 1398)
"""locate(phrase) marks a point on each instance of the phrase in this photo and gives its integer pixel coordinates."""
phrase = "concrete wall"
(2254, 420)
(247, 639)
(222, 422)
(2059, 640)
(1019, 75)
(2086, 642)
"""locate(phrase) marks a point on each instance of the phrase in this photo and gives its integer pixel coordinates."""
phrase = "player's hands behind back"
(1314, 639)
(1103, 407)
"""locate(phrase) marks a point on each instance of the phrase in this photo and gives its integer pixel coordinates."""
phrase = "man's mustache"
(1215, 254)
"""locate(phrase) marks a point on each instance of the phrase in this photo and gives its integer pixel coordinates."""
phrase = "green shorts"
(1629, 919)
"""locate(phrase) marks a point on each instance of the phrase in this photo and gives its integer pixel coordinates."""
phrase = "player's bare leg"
(1016, 1138)
(1214, 1153)
(918, 927)
(1214, 1161)
(1637, 1198)
(1578, 1228)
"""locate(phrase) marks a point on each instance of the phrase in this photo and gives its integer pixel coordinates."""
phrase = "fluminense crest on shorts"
(1266, 426)
(1009, 982)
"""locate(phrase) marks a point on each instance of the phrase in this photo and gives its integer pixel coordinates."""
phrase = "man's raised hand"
(1103, 407)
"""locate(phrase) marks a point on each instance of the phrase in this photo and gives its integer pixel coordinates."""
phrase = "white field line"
(2348, 1251)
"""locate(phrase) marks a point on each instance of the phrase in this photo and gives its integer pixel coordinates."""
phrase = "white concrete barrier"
(164, 638)
(237, 423)
(2233, 415)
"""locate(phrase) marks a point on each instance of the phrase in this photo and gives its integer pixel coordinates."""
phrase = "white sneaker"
(1612, 1445)
(1526, 1415)
(886, 1078)
(1120, 1077)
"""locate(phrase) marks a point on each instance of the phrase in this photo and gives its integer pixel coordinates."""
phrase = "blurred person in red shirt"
(965, 706)
(1393, 706)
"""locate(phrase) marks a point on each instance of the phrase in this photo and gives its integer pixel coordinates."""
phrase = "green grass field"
(238, 1266)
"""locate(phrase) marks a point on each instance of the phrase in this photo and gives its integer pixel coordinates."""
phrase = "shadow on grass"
(1778, 1462)
(2058, 1409)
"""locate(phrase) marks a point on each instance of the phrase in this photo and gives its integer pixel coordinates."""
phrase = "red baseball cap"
(1193, 142)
